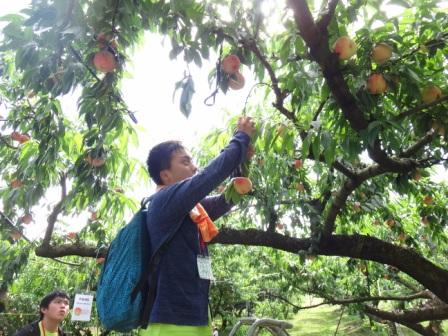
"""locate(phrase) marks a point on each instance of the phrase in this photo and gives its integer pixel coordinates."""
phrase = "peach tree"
(353, 115)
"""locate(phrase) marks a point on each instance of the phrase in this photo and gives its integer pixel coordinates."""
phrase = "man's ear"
(43, 310)
(165, 176)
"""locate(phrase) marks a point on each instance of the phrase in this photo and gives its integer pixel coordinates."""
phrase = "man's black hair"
(159, 158)
(45, 302)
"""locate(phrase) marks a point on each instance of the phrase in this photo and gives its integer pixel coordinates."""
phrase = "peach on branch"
(402, 237)
(381, 53)
(300, 187)
(95, 161)
(390, 222)
(438, 127)
(428, 200)
(345, 47)
(15, 235)
(425, 220)
(376, 84)
(298, 164)
(72, 235)
(16, 184)
(431, 93)
(104, 61)
(230, 64)
(236, 81)
(242, 185)
(93, 216)
(417, 175)
(100, 260)
(26, 219)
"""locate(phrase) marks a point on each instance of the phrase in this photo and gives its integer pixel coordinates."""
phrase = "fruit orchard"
(345, 201)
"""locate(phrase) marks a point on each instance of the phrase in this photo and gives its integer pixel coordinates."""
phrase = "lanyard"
(42, 326)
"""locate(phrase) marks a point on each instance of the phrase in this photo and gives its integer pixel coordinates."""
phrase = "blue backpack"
(127, 285)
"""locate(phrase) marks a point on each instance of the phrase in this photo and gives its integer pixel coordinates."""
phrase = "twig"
(65, 262)
(12, 226)
(2, 139)
(117, 3)
(280, 96)
(339, 322)
(420, 108)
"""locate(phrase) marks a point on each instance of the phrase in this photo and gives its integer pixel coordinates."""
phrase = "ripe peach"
(72, 235)
(357, 206)
(242, 185)
(402, 237)
(425, 220)
(298, 164)
(300, 187)
(417, 175)
(95, 161)
(280, 226)
(390, 222)
(430, 94)
(93, 216)
(376, 84)
(24, 138)
(119, 190)
(26, 219)
(345, 47)
(438, 127)
(15, 235)
(381, 53)
(100, 260)
(428, 200)
(16, 136)
(104, 61)
(236, 81)
(16, 184)
(230, 64)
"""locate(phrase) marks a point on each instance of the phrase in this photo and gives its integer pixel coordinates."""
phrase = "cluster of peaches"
(381, 53)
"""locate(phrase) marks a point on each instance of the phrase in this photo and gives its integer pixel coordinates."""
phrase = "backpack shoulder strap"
(147, 283)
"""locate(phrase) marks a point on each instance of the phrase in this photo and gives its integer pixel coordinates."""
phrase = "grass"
(323, 320)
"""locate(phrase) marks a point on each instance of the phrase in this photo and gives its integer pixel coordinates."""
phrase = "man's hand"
(246, 125)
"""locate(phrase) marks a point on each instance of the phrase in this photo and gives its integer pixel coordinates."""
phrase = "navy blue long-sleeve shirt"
(181, 296)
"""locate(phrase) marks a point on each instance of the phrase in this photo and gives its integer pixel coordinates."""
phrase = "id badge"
(205, 267)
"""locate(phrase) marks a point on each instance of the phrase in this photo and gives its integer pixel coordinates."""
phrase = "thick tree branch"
(411, 151)
(409, 317)
(425, 272)
(56, 211)
(326, 16)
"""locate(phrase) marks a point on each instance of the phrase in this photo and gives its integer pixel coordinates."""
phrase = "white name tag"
(82, 307)
(205, 267)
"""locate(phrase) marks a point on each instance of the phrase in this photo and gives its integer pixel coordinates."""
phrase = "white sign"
(82, 307)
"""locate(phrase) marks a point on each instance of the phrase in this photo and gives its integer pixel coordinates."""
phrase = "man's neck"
(50, 325)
